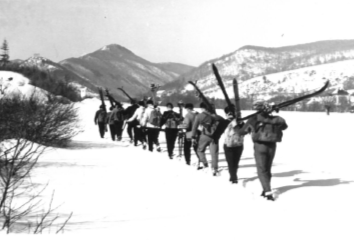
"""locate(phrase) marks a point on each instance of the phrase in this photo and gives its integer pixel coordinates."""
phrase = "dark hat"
(189, 106)
(141, 103)
(228, 109)
(149, 102)
(203, 105)
(169, 105)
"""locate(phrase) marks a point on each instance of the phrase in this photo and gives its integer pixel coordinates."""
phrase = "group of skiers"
(199, 131)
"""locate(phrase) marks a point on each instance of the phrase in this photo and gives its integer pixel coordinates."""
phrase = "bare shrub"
(27, 128)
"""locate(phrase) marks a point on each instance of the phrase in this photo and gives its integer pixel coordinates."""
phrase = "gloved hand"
(194, 142)
(240, 123)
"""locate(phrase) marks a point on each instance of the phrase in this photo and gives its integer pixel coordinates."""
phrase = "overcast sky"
(184, 31)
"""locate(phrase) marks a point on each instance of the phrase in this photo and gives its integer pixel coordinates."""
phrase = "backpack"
(210, 125)
(172, 122)
(155, 118)
(101, 116)
(268, 129)
(119, 115)
(214, 126)
(110, 119)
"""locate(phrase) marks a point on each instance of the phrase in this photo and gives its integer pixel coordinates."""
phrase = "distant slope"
(252, 61)
(57, 70)
(176, 68)
(115, 66)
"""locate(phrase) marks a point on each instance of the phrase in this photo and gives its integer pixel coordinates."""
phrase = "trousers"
(233, 156)
(203, 143)
(264, 154)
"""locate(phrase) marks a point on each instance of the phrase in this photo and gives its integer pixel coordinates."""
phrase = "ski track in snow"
(143, 198)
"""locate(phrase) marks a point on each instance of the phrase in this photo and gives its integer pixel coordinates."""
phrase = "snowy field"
(122, 194)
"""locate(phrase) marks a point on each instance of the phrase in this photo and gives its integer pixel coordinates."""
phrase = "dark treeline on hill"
(45, 81)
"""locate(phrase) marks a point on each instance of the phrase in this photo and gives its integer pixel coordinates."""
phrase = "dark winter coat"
(200, 118)
(129, 111)
(170, 116)
(100, 116)
(255, 124)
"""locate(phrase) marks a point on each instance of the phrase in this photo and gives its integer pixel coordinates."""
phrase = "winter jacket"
(117, 114)
(138, 115)
(254, 125)
(197, 124)
(100, 116)
(233, 138)
(188, 123)
(129, 111)
(109, 120)
(146, 117)
(171, 119)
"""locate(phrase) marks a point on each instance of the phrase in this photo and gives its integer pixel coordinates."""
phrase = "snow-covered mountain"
(115, 66)
(272, 71)
(58, 71)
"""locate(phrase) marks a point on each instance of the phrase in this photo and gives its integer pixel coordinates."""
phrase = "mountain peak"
(116, 48)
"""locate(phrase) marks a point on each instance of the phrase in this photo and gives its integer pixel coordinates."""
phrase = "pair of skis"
(100, 92)
(237, 108)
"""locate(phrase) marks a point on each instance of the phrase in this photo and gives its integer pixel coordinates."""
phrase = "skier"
(151, 122)
(128, 113)
(139, 135)
(233, 144)
(100, 120)
(187, 126)
(210, 135)
(171, 121)
(110, 123)
(117, 116)
(266, 132)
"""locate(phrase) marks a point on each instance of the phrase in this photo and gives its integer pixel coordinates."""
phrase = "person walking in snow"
(211, 126)
(171, 120)
(266, 131)
(139, 134)
(110, 123)
(128, 113)
(117, 116)
(187, 125)
(151, 122)
(233, 144)
(100, 120)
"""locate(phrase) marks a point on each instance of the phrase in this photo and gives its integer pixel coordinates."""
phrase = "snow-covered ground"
(122, 194)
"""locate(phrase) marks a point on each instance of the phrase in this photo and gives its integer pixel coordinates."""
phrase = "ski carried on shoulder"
(204, 99)
(222, 87)
(125, 93)
(111, 99)
(237, 100)
(277, 107)
(100, 91)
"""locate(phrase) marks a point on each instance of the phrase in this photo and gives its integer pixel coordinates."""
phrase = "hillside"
(176, 68)
(250, 63)
(115, 66)
(58, 71)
